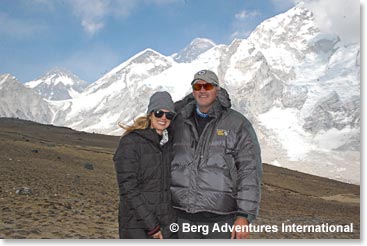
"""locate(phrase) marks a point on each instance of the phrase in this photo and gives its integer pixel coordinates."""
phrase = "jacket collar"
(221, 103)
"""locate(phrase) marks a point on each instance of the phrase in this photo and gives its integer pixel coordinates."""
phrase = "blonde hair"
(141, 122)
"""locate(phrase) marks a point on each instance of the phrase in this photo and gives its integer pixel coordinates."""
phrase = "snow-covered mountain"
(193, 50)
(117, 96)
(313, 114)
(299, 87)
(58, 84)
(17, 101)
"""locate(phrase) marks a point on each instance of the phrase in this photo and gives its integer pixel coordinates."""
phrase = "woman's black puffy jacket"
(143, 176)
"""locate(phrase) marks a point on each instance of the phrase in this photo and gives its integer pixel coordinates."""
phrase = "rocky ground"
(59, 183)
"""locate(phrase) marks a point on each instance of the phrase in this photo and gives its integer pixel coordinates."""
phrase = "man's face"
(205, 98)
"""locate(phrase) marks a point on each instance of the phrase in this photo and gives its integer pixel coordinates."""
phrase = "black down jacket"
(221, 170)
(143, 171)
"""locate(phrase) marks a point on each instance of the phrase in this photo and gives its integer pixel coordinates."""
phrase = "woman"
(142, 162)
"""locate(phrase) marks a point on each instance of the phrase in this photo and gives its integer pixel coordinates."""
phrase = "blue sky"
(90, 37)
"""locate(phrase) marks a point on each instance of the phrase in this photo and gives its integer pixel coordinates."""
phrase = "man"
(216, 170)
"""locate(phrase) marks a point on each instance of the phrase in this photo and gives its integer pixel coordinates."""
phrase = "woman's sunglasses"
(206, 86)
(160, 113)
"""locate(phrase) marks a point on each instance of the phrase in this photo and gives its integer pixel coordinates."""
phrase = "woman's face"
(159, 123)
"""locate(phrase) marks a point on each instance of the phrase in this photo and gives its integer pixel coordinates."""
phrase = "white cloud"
(246, 14)
(337, 16)
(93, 13)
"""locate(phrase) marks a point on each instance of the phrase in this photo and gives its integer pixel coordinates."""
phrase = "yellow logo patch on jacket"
(221, 132)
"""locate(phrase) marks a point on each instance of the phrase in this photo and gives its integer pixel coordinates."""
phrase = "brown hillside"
(70, 200)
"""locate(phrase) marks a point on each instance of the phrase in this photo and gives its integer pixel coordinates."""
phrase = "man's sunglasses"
(206, 86)
(160, 113)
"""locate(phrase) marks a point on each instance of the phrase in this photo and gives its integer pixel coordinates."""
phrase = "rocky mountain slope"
(18, 101)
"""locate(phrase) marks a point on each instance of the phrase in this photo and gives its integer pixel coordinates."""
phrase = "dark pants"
(142, 234)
(133, 234)
(194, 229)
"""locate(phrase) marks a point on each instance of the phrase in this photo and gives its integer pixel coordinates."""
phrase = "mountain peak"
(145, 55)
(55, 76)
(5, 78)
(196, 47)
(57, 84)
(202, 42)
(296, 22)
(59, 71)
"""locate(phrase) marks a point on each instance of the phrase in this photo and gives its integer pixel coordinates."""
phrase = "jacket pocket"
(232, 171)
(179, 173)
(229, 142)
(230, 145)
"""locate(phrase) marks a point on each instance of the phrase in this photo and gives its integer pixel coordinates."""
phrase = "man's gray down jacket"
(221, 171)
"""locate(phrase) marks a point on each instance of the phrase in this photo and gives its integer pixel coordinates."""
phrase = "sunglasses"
(206, 86)
(160, 113)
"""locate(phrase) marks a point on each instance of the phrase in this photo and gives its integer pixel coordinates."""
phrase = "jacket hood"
(149, 133)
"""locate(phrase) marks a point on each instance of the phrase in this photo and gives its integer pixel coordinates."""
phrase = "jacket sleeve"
(127, 160)
(247, 157)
